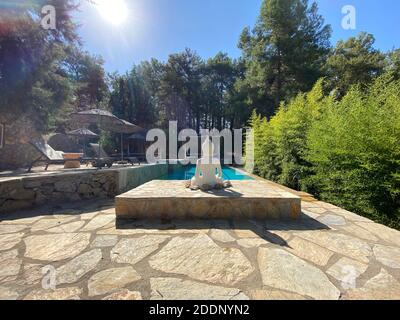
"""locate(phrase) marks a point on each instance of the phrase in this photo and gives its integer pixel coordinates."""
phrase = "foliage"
(354, 61)
(346, 152)
(284, 53)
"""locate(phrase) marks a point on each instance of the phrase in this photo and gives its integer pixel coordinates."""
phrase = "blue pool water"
(187, 173)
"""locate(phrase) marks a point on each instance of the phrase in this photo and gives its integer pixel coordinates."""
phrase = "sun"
(114, 11)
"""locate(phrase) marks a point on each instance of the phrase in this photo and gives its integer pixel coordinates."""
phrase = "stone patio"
(329, 253)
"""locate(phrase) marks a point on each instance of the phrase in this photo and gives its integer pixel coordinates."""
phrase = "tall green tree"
(284, 53)
(354, 61)
(32, 75)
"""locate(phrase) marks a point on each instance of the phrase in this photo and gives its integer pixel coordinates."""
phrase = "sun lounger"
(47, 154)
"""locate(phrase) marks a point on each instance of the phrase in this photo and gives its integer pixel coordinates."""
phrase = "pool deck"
(245, 199)
(328, 253)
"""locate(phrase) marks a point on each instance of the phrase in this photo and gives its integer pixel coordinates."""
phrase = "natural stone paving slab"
(5, 228)
(124, 294)
(134, 250)
(347, 271)
(381, 287)
(7, 293)
(98, 222)
(200, 258)
(178, 289)
(309, 251)
(31, 274)
(104, 241)
(68, 227)
(251, 242)
(332, 220)
(49, 223)
(17, 219)
(274, 295)
(221, 235)
(388, 256)
(359, 232)
(72, 271)
(56, 247)
(340, 243)
(9, 268)
(382, 232)
(350, 216)
(8, 241)
(12, 254)
(111, 280)
(283, 270)
(57, 294)
(89, 215)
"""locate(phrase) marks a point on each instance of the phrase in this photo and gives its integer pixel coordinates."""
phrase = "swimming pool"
(187, 173)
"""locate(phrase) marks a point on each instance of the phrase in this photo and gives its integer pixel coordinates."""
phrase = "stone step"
(244, 200)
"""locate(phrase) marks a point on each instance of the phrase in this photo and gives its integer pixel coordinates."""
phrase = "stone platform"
(160, 199)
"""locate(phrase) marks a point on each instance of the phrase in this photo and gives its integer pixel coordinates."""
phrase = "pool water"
(187, 173)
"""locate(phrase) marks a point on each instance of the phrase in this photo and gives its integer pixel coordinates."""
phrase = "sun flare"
(114, 11)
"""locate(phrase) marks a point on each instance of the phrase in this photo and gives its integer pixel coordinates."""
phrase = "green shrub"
(345, 152)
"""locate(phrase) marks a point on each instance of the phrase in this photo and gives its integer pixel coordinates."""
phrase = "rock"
(283, 270)
(221, 235)
(99, 222)
(75, 269)
(309, 251)
(104, 241)
(347, 271)
(332, 220)
(8, 293)
(68, 227)
(178, 289)
(274, 295)
(7, 241)
(10, 228)
(251, 242)
(111, 279)
(56, 247)
(381, 287)
(340, 243)
(22, 194)
(200, 258)
(84, 189)
(124, 294)
(134, 250)
(388, 256)
(65, 186)
(57, 294)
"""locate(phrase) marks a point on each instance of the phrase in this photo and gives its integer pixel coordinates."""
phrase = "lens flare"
(114, 11)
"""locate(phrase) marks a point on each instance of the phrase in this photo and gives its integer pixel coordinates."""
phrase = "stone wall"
(28, 192)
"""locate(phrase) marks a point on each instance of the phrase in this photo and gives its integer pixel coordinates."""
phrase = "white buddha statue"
(208, 173)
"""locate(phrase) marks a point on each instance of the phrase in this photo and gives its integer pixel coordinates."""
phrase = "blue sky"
(157, 28)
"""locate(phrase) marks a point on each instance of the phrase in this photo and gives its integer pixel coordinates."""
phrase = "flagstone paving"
(79, 251)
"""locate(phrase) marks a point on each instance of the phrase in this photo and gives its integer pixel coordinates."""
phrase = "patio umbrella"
(95, 116)
(83, 133)
(123, 127)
